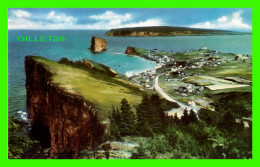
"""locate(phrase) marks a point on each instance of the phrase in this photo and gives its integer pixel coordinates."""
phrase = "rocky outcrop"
(63, 120)
(97, 44)
(88, 64)
(131, 51)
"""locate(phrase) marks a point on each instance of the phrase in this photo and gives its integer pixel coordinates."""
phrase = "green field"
(224, 74)
(230, 69)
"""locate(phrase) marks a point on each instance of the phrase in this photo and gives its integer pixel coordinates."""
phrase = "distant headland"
(167, 31)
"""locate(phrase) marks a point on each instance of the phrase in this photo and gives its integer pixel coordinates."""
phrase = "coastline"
(129, 74)
(15, 61)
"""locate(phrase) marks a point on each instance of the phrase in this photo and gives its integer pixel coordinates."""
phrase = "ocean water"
(76, 44)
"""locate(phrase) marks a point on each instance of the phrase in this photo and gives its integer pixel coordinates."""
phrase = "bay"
(76, 44)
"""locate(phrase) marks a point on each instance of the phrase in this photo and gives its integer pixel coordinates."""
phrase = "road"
(182, 107)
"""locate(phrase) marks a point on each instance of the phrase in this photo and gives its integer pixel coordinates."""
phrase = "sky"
(234, 19)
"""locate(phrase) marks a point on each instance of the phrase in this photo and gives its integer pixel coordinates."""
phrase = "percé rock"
(131, 51)
(98, 44)
(63, 120)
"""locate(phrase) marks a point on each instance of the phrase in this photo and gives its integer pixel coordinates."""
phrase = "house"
(183, 89)
(147, 80)
(190, 88)
(194, 74)
(184, 94)
(191, 103)
(212, 58)
(167, 73)
(207, 54)
(192, 67)
(201, 88)
(197, 63)
(174, 69)
(202, 59)
(155, 50)
(147, 86)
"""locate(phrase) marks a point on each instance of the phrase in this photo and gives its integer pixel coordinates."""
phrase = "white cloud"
(109, 20)
(222, 19)
(109, 15)
(61, 18)
(149, 22)
(21, 19)
(21, 13)
(232, 22)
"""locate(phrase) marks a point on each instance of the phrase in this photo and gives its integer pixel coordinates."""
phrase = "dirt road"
(182, 107)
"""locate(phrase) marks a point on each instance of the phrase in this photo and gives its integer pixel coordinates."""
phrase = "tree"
(208, 120)
(151, 116)
(171, 136)
(142, 111)
(227, 122)
(143, 129)
(156, 116)
(128, 117)
(185, 117)
(19, 142)
(114, 131)
(176, 119)
(193, 116)
(140, 154)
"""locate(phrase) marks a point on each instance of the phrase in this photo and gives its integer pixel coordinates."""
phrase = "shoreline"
(141, 71)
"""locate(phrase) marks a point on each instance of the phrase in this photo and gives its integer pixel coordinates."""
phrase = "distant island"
(167, 31)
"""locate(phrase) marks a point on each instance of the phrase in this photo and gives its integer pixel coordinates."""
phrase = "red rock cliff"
(98, 44)
(65, 121)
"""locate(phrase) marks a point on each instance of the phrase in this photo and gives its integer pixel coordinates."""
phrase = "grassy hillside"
(94, 85)
(166, 31)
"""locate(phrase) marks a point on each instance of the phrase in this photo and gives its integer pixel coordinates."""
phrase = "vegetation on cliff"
(19, 142)
(216, 136)
(99, 86)
(148, 119)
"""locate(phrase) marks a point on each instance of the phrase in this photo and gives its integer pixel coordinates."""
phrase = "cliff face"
(98, 44)
(65, 121)
(136, 33)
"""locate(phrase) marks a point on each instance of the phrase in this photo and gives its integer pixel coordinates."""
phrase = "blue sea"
(77, 42)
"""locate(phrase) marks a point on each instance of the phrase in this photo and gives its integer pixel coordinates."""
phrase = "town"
(185, 76)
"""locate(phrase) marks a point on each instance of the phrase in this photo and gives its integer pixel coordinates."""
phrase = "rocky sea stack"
(131, 51)
(97, 44)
